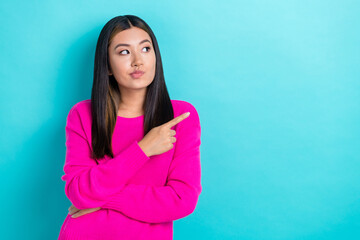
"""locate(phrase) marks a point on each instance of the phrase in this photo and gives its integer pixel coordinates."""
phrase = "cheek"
(119, 66)
(153, 60)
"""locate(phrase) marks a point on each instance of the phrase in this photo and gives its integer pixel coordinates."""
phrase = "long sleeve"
(88, 184)
(179, 196)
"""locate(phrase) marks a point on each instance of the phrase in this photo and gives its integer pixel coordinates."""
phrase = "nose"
(137, 60)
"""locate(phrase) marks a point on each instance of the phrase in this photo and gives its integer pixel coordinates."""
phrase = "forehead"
(130, 36)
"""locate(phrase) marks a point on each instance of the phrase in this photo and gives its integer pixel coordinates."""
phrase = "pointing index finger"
(178, 119)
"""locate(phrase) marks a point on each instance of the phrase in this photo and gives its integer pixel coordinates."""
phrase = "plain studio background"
(276, 85)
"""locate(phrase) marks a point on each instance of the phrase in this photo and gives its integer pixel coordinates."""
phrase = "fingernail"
(187, 114)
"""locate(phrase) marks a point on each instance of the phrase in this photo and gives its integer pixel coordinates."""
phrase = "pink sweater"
(139, 196)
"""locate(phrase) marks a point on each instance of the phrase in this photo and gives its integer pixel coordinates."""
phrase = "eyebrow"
(124, 44)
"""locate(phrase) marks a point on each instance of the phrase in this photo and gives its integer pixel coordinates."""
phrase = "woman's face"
(131, 50)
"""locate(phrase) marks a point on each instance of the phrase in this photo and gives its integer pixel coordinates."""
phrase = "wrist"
(143, 148)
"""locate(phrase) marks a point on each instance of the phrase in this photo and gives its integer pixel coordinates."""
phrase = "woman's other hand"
(75, 212)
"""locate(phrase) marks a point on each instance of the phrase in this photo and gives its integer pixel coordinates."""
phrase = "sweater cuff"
(138, 156)
(140, 151)
(116, 202)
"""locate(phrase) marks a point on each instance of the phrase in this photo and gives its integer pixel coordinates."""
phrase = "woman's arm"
(89, 185)
(178, 198)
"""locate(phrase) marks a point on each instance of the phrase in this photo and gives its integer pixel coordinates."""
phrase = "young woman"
(132, 163)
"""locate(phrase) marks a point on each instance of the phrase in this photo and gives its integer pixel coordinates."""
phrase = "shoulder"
(82, 108)
(79, 116)
(181, 106)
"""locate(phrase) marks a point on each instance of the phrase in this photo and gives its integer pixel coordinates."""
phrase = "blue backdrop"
(276, 85)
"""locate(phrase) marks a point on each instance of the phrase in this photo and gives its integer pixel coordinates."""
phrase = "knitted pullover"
(139, 196)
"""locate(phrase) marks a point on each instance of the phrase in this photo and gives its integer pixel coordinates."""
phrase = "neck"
(132, 101)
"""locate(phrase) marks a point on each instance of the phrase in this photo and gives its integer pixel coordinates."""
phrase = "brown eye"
(148, 48)
(128, 51)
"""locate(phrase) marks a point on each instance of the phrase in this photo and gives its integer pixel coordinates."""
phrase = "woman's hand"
(160, 139)
(77, 212)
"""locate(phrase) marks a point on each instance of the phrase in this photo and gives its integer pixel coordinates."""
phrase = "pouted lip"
(137, 72)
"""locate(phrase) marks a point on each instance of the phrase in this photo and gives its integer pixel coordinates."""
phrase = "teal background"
(276, 85)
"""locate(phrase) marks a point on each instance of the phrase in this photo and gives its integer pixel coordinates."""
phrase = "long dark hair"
(105, 95)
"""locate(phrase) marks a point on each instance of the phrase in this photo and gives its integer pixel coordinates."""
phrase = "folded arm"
(89, 185)
(179, 196)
